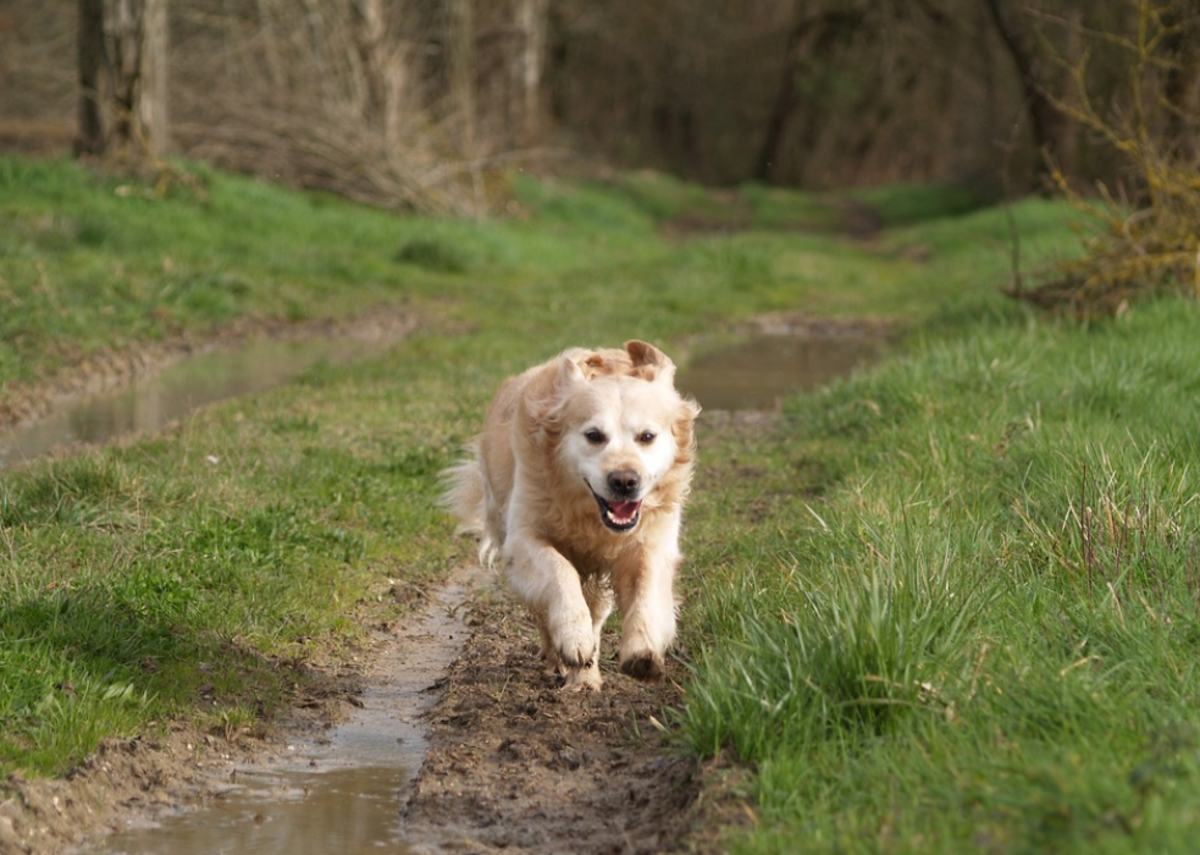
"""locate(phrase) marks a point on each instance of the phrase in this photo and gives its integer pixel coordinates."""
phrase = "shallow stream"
(753, 373)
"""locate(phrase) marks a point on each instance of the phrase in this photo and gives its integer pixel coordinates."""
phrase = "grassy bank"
(900, 612)
(972, 623)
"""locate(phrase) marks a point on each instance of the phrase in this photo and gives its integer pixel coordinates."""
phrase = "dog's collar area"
(618, 516)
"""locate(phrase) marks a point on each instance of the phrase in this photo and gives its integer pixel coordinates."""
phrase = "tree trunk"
(372, 35)
(139, 70)
(1182, 92)
(808, 37)
(1067, 127)
(531, 16)
(90, 53)
(152, 116)
(1044, 118)
(460, 39)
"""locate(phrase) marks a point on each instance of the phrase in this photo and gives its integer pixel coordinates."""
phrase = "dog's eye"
(646, 437)
(595, 436)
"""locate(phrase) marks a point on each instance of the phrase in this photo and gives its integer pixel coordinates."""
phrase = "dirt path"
(513, 764)
(516, 765)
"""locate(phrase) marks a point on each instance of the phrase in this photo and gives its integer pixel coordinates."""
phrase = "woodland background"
(419, 103)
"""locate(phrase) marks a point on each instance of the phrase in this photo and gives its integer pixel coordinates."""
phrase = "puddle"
(343, 793)
(344, 810)
(756, 372)
(153, 402)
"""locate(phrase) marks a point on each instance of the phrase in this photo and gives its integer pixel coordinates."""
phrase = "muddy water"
(155, 401)
(755, 373)
(351, 809)
(342, 793)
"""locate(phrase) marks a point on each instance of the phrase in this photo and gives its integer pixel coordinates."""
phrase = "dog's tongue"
(623, 512)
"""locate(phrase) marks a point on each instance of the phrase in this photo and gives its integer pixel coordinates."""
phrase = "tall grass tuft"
(841, 652)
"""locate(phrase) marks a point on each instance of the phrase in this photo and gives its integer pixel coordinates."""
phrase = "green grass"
(910, 204)
(668, 200)
(93, 263)
(947, 604)
(982, 631)
(201, 570)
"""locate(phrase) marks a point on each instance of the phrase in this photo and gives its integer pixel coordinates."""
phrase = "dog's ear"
(569, 369)
(540, 414)
(651, 362)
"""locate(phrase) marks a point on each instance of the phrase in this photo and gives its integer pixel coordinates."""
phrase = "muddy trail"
(517, 765)
(510, 762)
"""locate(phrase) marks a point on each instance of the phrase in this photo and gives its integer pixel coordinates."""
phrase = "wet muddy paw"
(577, 650)
(645, 667)
(582, 680)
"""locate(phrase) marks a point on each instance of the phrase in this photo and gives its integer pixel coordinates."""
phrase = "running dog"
(577, 486)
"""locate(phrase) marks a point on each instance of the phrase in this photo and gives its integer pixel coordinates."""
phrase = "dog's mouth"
(618, 516)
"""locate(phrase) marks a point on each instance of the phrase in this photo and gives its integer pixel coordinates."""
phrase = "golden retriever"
(577, 485)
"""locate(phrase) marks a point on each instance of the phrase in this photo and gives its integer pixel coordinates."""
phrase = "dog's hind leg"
(599, 596)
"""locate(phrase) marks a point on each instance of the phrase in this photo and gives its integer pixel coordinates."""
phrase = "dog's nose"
(624, 482)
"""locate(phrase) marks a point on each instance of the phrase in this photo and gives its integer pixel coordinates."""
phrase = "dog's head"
(623, 430)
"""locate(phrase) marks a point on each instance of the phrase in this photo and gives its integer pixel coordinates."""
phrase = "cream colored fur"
(576, 487)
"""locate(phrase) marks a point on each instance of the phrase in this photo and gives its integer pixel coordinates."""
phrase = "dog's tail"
(463, 492)
(464, 496)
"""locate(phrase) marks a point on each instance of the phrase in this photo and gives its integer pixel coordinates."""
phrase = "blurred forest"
(418, 103)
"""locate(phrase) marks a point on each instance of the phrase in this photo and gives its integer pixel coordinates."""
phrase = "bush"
(1148, 244)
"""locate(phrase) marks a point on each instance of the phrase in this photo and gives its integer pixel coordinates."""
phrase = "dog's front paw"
(585, 679)
(576, 646)
(644, 666)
